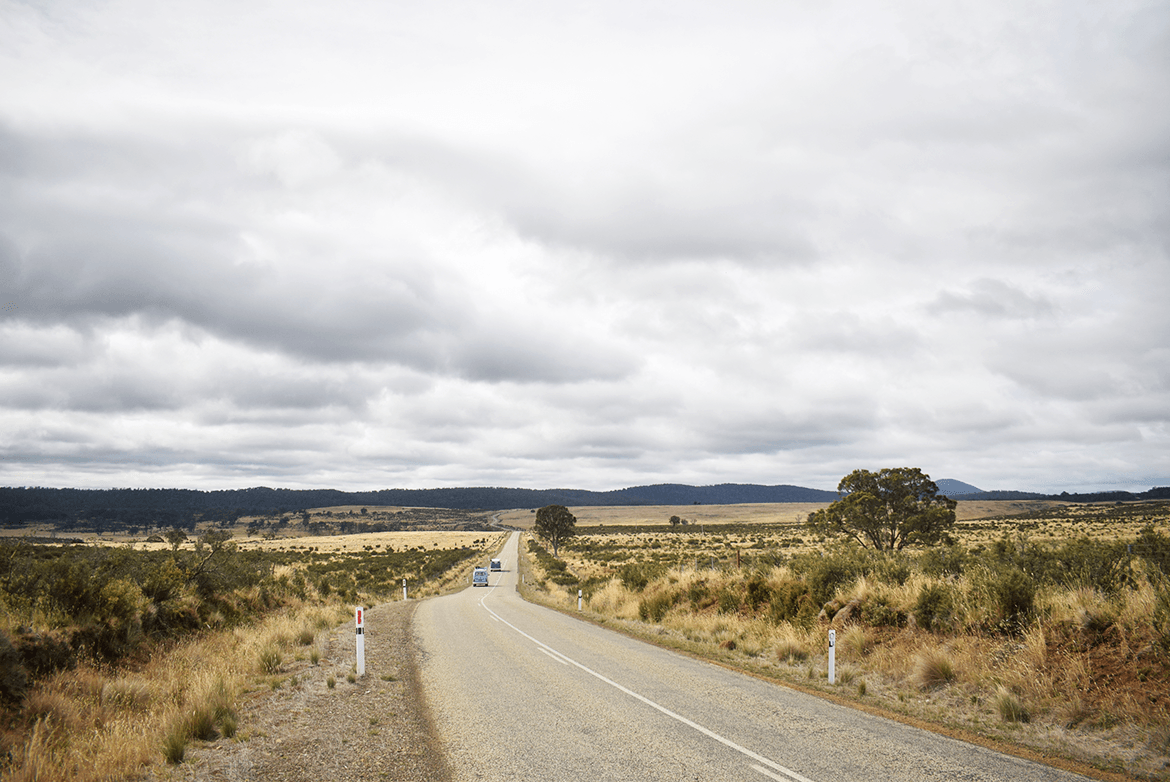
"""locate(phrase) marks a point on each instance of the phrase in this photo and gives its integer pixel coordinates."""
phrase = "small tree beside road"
(887, 510)
(555, 524)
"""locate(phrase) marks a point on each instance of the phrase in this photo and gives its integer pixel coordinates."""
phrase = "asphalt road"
(520, 692)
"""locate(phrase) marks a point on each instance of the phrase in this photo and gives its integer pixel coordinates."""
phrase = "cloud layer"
(535, 245)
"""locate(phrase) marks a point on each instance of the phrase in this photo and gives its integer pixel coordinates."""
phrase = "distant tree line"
(107, 510)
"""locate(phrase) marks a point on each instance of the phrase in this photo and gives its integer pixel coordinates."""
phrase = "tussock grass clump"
(791, 651)
(201, 724)
(270, 660)
(132, 694)
(855, 641)
(174, 747)
(1010, 707)
(933, 668)
(846, 674)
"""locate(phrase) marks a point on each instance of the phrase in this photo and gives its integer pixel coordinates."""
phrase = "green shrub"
(636, 576)
(758, 593)
(1162, 616)
(792, 602)
(943, 561)
(43, 654)
(1011, 596)
(13, 677)
(1102, 565)
(826, 572)
(654, 608)
(1015, 595)
(1153, 547)
(729, 600)
(934, 607)
(697, 593)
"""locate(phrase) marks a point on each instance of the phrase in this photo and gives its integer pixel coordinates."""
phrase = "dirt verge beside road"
(306, 731)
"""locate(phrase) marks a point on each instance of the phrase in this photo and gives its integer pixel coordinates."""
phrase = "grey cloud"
(990, 298)
(83, 262)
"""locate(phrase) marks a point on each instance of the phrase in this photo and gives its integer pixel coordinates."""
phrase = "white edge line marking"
(556, 657)
(690, 724)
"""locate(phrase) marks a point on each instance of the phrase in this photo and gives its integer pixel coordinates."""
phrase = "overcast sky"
(542, 244)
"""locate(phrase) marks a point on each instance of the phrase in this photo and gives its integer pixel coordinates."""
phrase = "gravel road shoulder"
(374, 728)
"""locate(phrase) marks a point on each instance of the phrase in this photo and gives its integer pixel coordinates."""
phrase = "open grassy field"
(1045, 626)
(117, 656)
(750, 513)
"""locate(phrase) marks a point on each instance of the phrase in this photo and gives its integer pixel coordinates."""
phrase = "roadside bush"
(1153, 547)
(654, 608)
(1162, 617)
(13, 678)
(878, 611)
(44, 653)
(698, 595)
(943, 561)
(1092, 563)
(636, 576)
(824, 575)
(758, 593)
(1011, 598)
(792, 601)
(935, 607)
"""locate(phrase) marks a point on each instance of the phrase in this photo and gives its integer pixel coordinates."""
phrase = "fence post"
(578, 601)
(404, 589)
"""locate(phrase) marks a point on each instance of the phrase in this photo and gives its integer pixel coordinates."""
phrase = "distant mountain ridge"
(951, 487)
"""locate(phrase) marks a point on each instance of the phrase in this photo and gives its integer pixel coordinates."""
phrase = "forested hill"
(182, 507)
(147, 508)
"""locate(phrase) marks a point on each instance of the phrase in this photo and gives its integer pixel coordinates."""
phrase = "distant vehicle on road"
(479, 577)
(497, 565)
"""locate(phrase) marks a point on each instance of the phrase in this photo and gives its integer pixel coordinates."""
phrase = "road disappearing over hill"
(521, 692)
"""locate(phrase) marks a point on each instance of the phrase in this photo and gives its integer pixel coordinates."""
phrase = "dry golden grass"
(92, 725)
(781, 513)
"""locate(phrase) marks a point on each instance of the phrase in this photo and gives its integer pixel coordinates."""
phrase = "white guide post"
(832, 657)
(578, 601)
(360, 616)
(404, 589)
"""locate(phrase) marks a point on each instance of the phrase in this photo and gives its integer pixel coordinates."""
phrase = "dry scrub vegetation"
(1048, 630)
(114, 660)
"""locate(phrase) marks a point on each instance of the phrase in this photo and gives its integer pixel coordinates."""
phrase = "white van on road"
(479, 577)
(497, 565)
